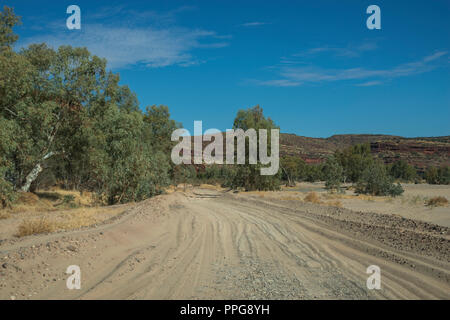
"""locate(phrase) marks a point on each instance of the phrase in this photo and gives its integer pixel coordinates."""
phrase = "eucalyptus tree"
(248, 176)
(63, 113)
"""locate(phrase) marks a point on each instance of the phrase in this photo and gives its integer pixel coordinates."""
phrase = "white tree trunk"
(31, 177)
(34, 173)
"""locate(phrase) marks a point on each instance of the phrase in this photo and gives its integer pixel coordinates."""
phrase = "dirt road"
(206, 244)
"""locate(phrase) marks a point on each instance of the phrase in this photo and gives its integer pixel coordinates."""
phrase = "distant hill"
(420, 152)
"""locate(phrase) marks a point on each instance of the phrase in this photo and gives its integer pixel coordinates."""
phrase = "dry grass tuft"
(437, 202)
(52, 210)
(52, 200)
(312, 197)
(417, 200)
(30, 227)
(84, 217)
(335, 203)
(4, 215)
(332, 196)
(28, 198)
(290, 198)
(81, 199)
(65, 220)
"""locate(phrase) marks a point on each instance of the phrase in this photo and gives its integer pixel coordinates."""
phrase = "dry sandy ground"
(411, 204)
(208, 244)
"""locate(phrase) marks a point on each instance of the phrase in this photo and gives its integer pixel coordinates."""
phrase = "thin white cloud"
(369, 83)
(348, 51)
(132, 16)
(278, 83)
(435, 56)
(128, 44)
(294, 76)
(254, 24)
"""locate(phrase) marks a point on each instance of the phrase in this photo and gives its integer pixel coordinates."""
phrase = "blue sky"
(313, 66)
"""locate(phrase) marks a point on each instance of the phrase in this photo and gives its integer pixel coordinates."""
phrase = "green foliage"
(184, 174)
(7, 172)
(64, 117)
(214, 174)
(334, 174)
(253, 118)
(7, 194)
(124, 165)
(403, 171)
(440, 175)
(248, 176)
(67, 201)
(292, 169)
(160, 127)
(227, 175)
(431, 175)
(313, 173)
(7, 21)
(376, 181)
(354, 161)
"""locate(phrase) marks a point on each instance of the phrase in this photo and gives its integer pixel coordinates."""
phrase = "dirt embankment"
(206, 244)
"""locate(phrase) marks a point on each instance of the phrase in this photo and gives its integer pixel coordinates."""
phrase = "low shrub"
(36, 226)
(7, 193)
(312, 197)
(376, 181)
(437, 202)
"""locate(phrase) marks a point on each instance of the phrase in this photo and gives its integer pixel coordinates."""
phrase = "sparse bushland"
(65, 119)
(184, 174)
(440, 175)
(401, 170)
(313, 173)
(292, 169)
(248, 177)
(213, 174)
(356, 165)
(354, 161)
(376, 181)
(334, 175)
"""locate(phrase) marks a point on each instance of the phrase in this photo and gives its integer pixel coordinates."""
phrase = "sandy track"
(205, 244)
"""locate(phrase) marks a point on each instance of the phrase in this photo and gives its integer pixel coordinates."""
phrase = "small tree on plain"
(334, 175)
(376, 181)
